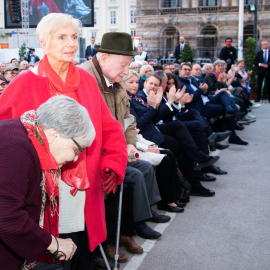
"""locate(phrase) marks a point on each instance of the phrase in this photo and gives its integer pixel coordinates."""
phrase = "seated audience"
(176, 138)
(219, 105)
(145, 71)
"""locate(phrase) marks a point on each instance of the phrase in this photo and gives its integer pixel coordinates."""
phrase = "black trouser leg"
(259, 85)
(166, 174)
(184, 163)
(111, 212)
(241, 103)
(179, 131)
(127, 216)
(197, 132)
(83, 259)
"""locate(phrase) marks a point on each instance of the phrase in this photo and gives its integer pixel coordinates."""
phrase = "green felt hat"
(116, 43)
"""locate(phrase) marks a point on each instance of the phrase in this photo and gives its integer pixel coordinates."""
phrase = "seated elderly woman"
(33, 149)
(144, 72)
(184, 150)
(92, 173)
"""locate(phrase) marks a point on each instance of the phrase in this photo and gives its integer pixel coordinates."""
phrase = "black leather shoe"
(239, 127)
(169, 208)
(159, 218)
(144, 231)
(206, 178)
(218, 137)
(181, 204)
(220, 146)
(237, 141)
(205, 163)
(213, 148)
(204, 192)
(99, 264)
(213, 169)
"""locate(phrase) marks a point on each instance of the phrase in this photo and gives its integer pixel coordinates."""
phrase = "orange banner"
(4, 45)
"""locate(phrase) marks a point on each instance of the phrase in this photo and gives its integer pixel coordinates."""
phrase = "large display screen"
(79, 9)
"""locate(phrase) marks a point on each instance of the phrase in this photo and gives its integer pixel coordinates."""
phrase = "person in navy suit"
(262, 63)
(180, 142)
(219, 105)
(90, 50)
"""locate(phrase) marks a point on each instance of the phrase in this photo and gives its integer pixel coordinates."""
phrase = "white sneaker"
(251, 115)
(255, 105)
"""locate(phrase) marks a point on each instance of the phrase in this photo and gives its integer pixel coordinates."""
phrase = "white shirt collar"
(107, 82)
(145, 93)
(265, 50)
(197, 79)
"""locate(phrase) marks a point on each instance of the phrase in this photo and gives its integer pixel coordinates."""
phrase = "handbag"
(183, 187)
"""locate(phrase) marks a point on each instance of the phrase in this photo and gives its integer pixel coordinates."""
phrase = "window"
(113, 17)
(95, 1)
(133, 33)
(207, 3)
(133, 16)
(112, 1)
(171, 3)
(95, 18)
(94, 34)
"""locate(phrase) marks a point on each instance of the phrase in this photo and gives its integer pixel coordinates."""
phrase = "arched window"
(207, 42)
(248, 32)
(169, 40)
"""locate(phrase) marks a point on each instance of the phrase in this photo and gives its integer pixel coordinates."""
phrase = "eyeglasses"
(79, 149)
(3, 84)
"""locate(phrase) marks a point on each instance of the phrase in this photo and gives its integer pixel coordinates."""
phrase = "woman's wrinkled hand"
(66, 246)
(110, 184)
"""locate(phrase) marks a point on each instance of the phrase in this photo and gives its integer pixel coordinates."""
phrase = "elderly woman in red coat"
(102, 166)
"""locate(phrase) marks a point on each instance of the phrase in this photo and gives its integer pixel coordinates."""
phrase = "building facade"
(109, 15)
(204, 23)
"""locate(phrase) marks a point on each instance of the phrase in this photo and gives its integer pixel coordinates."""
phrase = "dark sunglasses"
(79, 149)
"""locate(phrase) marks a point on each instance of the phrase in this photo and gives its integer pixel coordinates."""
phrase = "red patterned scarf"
(48, 163)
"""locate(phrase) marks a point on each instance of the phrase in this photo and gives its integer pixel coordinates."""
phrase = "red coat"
(28, 91)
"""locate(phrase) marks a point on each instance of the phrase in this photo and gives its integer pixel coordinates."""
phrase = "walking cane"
(127, 123)
(104, 257)
(116, 256)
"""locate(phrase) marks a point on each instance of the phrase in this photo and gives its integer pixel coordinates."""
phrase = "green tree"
(187, 54)
(250, 54)
(22, 51)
